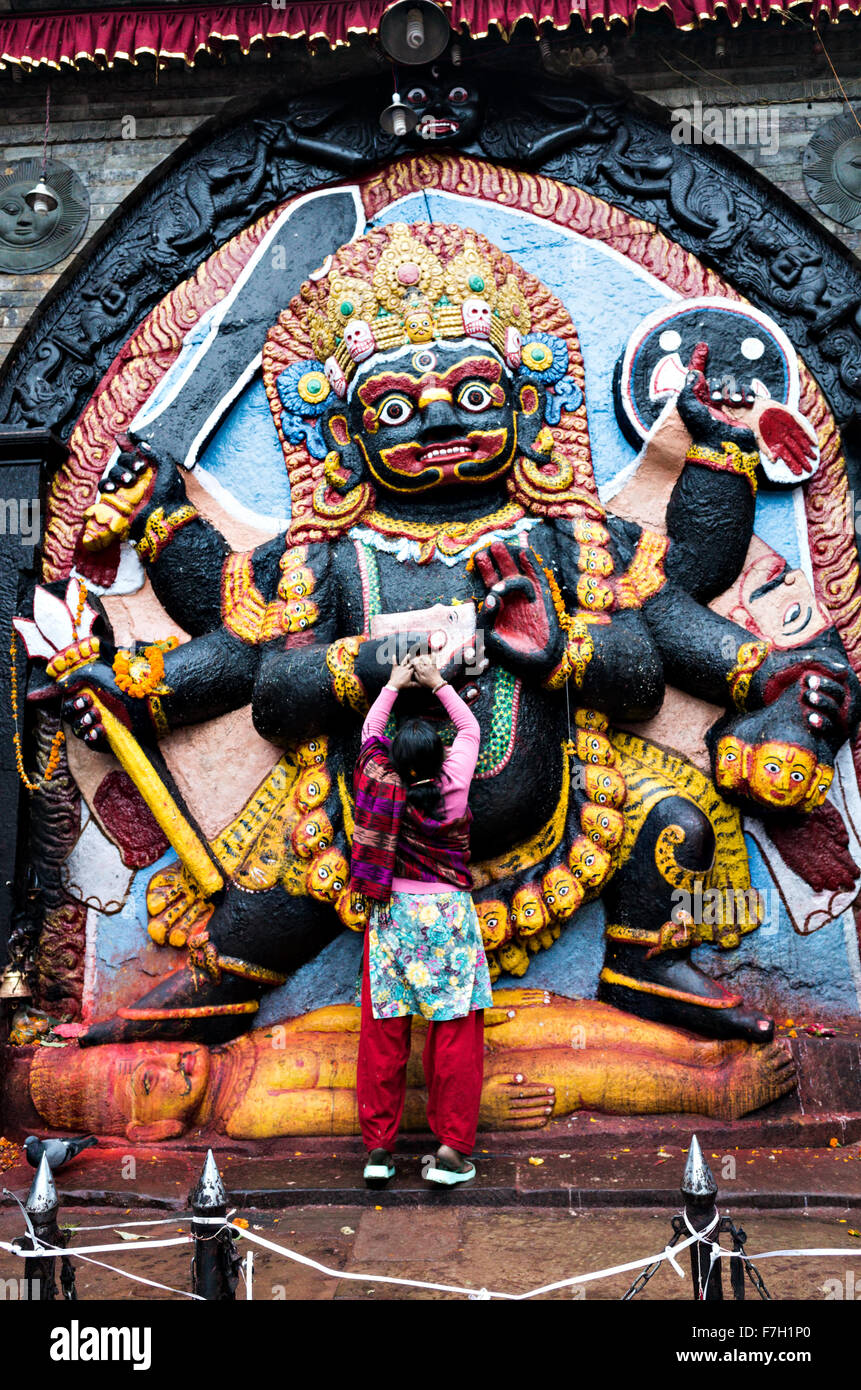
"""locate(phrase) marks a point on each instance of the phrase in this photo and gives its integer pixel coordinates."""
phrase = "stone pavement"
(501, 1248)
(329, 1171)
(529, 1219)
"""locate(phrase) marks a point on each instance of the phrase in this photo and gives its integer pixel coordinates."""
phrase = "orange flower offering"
(139, 675)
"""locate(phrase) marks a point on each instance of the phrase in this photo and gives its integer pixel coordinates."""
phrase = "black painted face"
(448, 105)
(435, 415)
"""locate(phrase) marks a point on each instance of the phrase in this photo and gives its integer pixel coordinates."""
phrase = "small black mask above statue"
(448, 103)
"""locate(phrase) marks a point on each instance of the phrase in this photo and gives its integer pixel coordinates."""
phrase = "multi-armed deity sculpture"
(429, 396)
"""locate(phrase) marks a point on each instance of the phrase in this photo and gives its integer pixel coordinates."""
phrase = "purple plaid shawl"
(390, 837)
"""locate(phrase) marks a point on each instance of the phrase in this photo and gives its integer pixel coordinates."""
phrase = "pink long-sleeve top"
(458, 767)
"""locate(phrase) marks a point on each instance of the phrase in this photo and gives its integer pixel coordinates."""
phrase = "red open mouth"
(434, 127)
(446, 459)
(438, 455)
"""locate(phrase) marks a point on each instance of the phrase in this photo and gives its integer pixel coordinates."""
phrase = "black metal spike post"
(41, 1207)
(699, 1190)
(215, 1263)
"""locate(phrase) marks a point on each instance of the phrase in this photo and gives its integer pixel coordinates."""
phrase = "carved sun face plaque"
(31, 241)
(832, 170)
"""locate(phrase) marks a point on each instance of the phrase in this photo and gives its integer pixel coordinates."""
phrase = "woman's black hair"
(417, 754)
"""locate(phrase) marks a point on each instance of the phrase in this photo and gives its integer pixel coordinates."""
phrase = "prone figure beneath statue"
(546, 1058)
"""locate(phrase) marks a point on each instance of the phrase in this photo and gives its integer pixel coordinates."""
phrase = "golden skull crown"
(411, 296)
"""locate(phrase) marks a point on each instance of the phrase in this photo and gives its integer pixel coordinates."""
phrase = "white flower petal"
(33, 639)
(73, 598)
(53, 619)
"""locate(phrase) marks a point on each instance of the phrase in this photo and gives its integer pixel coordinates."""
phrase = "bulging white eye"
(475, 398)
(797, 776)
(458, 95)
(396, 411)
(417, 96)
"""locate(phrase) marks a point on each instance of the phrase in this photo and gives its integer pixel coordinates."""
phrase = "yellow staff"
(54, 633)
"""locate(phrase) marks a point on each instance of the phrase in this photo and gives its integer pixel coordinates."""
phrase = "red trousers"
(453, 1062)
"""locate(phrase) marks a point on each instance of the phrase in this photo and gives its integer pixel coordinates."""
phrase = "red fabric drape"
(121, 35)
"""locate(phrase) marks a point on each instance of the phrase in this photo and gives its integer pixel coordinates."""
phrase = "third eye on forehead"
(408, 369)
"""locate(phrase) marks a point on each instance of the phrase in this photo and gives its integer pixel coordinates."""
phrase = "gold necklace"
(450, 537)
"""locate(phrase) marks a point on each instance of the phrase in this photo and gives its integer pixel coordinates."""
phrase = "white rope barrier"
(670, 1254)
(101, 1249)
(127, 1225)
(125, 1274)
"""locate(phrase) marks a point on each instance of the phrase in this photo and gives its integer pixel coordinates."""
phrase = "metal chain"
(642, 1279)
(67, 1280)
(756, 1279)
(739, 1237)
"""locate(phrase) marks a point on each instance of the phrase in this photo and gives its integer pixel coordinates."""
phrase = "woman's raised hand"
(426, 672)
(402, 675)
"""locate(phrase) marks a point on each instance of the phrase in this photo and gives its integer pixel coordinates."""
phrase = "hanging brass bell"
(13, 984)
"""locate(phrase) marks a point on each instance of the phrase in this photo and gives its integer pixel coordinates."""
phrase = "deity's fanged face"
(435, 414)
(448, 106)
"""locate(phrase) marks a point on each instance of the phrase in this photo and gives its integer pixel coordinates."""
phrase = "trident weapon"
(60, 634)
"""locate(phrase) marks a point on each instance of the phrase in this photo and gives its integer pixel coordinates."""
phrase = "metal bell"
(414, 31)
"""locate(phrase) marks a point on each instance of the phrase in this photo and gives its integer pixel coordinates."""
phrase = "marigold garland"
(79, 612)
(57, 741)
(140, 674)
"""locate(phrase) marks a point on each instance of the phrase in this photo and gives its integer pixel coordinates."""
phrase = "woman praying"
(423, 952)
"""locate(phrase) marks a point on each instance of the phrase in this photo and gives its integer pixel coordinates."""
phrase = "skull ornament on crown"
(477, 318)
(400, 287)
(359, 339)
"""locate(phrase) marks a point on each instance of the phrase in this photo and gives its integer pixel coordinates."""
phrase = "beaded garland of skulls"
(418, 284)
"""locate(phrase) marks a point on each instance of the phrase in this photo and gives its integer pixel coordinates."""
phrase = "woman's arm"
(375, 723)
(461, 758)
(463, 755)
(377, 716)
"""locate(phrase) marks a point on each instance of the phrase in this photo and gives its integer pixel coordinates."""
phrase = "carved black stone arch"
(612, 142)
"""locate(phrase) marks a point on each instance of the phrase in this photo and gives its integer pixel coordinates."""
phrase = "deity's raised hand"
(132, 488)
(705, 405)
(518, 616)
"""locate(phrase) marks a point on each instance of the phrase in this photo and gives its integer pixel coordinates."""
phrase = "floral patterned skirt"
(428, 958)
